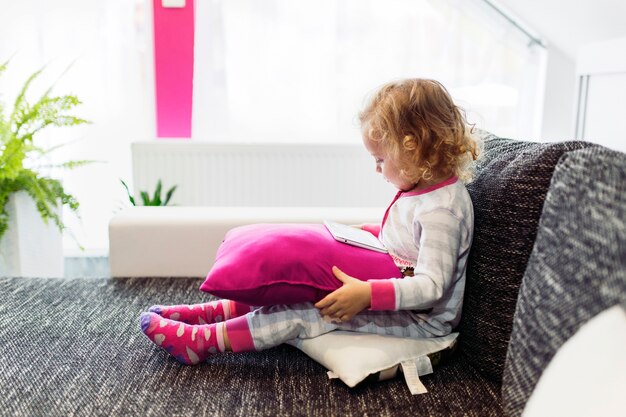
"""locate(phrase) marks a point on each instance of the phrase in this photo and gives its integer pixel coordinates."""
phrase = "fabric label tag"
(332, 375)
(424, 366)
(409, 368)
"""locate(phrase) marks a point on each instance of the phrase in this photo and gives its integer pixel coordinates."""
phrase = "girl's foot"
(189, 344)
(206, 313)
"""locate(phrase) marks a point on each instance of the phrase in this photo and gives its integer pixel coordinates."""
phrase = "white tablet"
(355, 237)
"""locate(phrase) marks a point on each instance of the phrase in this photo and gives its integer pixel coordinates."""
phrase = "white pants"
(272, 325)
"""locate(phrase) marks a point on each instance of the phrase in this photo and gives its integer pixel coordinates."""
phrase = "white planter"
(30, 248)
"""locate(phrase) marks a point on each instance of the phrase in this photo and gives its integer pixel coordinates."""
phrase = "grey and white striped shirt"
(432, 231)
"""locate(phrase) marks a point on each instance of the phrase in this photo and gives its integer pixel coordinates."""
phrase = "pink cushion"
(267, 264)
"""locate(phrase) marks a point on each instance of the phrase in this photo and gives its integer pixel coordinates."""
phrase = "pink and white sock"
(205, 313)
(192, 344)
(189, 344)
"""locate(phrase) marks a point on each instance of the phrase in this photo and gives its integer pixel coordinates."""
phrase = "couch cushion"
(559, 391)
(84, 355)
(576, 270)
(354, 357)
(508, 192)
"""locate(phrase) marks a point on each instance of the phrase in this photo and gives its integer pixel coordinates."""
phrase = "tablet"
(355, 237)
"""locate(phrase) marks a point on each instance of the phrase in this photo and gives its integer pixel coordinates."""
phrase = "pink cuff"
(383, 294)
(372, 228)
(239, 335)
(237, 309)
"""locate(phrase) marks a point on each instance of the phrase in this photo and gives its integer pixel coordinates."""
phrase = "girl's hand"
(345, 302)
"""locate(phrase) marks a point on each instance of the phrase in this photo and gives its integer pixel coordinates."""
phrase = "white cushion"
(183, 241)
(587, 376)
(353, 356)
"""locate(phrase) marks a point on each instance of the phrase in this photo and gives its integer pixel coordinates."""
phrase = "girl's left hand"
(344, 303)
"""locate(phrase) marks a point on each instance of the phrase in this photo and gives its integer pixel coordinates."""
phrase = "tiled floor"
(87, 267)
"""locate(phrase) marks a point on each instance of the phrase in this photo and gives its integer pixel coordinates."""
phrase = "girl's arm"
(439, 238)
(440, 234)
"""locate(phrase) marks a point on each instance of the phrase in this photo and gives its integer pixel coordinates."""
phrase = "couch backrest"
(577, 268)
(508, 192)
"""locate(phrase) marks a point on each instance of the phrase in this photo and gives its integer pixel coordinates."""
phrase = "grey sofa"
(548, 255)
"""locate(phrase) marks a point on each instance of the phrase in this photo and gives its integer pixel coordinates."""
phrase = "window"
(279, 70)
(265, 71)
(106, 45)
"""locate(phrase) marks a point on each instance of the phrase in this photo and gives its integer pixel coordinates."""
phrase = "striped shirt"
(430, 230)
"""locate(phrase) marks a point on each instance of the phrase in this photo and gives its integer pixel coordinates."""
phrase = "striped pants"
(272, 325)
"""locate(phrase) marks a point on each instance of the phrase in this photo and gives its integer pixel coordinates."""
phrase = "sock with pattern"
(189, 344)
(205, 313)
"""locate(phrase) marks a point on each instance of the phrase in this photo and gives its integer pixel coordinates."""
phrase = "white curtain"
(283, 70)
(107, 46)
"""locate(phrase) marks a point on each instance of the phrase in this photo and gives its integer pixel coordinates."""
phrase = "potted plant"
(27, 197)
(156, 200)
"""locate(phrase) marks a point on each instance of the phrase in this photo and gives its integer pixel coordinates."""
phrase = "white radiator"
(209, 174)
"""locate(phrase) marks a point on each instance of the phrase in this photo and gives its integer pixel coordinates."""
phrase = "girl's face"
(386, 165)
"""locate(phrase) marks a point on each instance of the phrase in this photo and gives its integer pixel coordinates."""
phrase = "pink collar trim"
(400, 194)
(434, 187)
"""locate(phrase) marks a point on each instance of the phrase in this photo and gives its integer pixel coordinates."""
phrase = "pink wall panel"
(173, 66)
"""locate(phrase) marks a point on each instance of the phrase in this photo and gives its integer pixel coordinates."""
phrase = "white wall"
(560, 95)
(601, 69)
(566, 26)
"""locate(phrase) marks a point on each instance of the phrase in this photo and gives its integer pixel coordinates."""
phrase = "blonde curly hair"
(416, 121)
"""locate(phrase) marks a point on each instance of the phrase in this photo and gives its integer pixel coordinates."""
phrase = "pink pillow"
(267, 264)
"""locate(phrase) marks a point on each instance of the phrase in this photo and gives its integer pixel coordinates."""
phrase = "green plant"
(145, 197)
(17, 132)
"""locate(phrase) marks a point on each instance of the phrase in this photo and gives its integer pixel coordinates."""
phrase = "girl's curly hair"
(417, 122)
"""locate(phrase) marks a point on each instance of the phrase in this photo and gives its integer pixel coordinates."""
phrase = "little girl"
(422, 146)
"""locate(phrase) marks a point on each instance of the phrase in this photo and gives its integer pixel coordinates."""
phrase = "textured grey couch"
(548, 255)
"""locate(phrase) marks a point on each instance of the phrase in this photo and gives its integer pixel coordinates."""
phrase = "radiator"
(265, 175)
